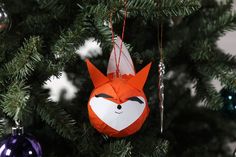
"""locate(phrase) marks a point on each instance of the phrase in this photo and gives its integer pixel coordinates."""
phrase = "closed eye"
(136, 99)
(103, 95)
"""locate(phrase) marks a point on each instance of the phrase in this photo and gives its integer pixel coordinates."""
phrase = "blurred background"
(44, 81)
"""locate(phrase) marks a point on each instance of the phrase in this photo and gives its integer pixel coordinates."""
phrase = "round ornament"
(229, 97)
(118, 106)
(20, 145)
(4, 19)
(234, 153)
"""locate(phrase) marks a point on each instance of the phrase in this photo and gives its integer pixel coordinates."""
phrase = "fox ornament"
(118, 106)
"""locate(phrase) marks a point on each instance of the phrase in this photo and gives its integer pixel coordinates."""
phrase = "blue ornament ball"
(229, 97)
(20, 145)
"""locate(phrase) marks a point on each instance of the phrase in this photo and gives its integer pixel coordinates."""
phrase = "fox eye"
(103, 95)
(136, 99)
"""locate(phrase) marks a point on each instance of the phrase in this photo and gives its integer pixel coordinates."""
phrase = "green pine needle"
(14, 101)
(59, 119)
(119, 148)
(25, 61)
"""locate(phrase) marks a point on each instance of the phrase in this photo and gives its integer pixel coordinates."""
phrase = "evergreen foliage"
(42, 41)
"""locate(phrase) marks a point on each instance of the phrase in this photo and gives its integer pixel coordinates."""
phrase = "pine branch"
(118, 149)
(59, 119)
(55, 7)
(37, 23)
(25, 61)
(96, 28)
(208, 94)
(135, 8)
(14, 101)
(161, 149)
(202, 50)
(211, 61)
(222, 7)
(65, 46)
(178, 7)
(220, 25)
(100, 10)
(2, 127)
(149, 9)
(225, 58)
(226, 76)
(5, 126)
(145, 8)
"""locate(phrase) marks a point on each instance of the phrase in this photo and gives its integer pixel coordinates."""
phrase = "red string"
(113, 41)
(123, 31)
(122, 38)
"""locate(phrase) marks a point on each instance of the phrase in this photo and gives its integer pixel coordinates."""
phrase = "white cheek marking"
(117, 119)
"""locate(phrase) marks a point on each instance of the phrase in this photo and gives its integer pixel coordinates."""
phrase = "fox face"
(117, 106)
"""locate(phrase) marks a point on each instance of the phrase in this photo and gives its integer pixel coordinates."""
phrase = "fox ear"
(96, 76)
(140, 78)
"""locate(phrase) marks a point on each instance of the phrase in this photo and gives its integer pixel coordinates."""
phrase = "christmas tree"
(39, 39)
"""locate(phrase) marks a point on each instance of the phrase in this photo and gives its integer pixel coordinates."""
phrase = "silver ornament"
(4, 19)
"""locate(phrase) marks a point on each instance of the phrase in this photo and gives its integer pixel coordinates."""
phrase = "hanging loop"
(17, 122)
(118, 59)
(16, 117)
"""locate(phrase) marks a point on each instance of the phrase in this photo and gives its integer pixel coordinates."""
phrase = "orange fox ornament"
(118, 106)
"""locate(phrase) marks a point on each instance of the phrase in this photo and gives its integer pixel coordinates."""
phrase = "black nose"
(119, 107)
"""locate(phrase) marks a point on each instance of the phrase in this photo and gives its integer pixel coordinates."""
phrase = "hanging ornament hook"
(17, 122)
(18, 129)
(16, 117)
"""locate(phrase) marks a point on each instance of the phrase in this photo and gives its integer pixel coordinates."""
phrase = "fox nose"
(119, 107)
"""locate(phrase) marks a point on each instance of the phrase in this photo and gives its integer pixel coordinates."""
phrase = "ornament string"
(113, 42)
(161, 69)
(16, 117)
(117, 61)
(123, 31)
(160, 40)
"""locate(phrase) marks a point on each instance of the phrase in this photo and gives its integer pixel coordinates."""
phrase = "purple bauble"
(20, 145)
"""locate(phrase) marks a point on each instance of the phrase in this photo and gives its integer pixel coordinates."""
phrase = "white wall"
(228, 42)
